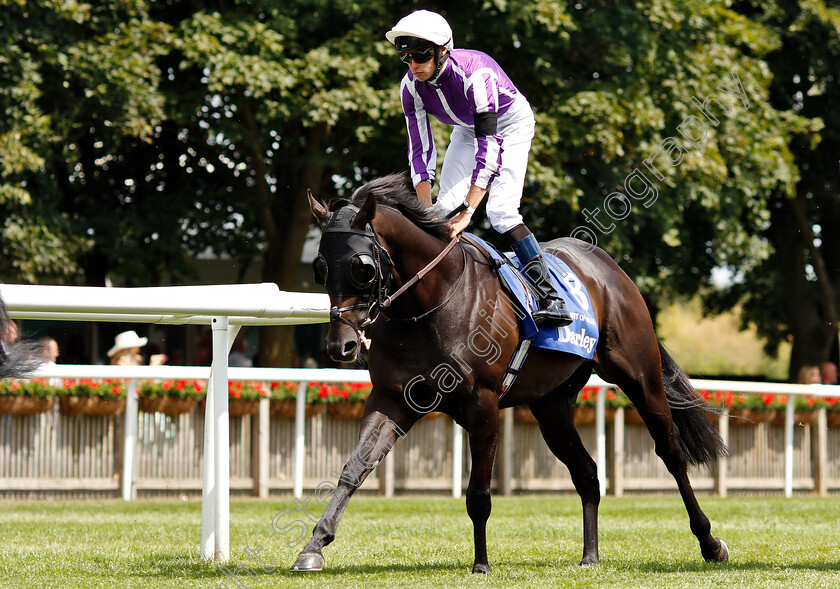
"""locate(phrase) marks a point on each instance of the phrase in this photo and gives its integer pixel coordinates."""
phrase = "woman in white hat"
(126, 350)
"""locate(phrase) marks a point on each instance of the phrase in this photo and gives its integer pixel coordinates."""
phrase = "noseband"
(353, 262)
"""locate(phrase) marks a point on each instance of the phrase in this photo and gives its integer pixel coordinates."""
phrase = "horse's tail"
(699, 440)
(20, 359)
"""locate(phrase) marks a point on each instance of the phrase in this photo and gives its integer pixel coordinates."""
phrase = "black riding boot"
(552, 309)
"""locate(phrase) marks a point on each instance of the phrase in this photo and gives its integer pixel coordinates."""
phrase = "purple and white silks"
(471, 82)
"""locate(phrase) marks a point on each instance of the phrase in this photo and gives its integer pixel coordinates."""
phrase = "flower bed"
(172, 397)
(342, 400)
(346, 400)
(85, 396)
(27, 397)
(244, 397)
(744, 408)
(748, 409)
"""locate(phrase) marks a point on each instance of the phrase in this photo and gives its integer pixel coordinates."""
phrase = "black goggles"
(360, 270)
(352, 263)
(418, 56)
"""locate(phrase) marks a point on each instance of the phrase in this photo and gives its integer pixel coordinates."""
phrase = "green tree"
(283, 98)
(175, 127)
(144, 133)
(795, 292)
(37, 241)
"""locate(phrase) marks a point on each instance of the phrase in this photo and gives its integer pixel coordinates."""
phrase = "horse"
(19, 358)
(376, 246)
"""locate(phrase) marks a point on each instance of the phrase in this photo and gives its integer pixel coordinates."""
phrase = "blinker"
(347, 262)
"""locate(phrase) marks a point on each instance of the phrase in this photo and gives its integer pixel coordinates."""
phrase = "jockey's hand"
(459, 223)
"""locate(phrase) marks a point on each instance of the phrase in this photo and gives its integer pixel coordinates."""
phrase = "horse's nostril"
(349, 348)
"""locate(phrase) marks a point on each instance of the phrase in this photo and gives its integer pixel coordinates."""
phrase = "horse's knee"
(478, 503)
(588, 487)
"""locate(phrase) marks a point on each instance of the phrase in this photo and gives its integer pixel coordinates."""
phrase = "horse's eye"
(319, 269)
(361, 270)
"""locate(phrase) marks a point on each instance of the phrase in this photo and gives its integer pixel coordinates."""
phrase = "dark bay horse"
(445, 343)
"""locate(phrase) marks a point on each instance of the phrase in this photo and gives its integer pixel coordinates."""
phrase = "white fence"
(225, 308)
(228, 307)
(608, 455)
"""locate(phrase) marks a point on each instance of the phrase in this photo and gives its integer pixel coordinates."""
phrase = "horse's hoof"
(723, 551)
(481, 568)
(589, 561)
(308, 562)
(720, 554)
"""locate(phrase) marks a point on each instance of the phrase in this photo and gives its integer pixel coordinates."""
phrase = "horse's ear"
(318, 208)
(366, 213)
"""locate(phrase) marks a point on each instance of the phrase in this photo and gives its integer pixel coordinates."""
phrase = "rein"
(419, 276)
(440, 306)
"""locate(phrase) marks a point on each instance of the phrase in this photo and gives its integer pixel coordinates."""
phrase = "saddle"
(580, 338)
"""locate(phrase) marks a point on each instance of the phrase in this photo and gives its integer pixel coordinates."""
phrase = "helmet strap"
(439, 61)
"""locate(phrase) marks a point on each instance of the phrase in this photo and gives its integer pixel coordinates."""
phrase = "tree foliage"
(139, 134)
(793, 292)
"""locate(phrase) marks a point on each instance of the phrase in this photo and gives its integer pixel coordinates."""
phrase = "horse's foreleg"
(483, 440)
(377, 436)
(555, 414)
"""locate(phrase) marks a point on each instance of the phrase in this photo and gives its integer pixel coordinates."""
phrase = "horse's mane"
(394, 191)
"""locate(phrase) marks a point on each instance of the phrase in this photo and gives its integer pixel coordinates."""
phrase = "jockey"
(493, 127)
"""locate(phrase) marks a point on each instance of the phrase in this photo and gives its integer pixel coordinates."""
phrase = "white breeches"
(517, 129)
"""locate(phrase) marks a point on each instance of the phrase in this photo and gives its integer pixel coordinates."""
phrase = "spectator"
(828, 372)
(204, 355)
(126, 351)
(809, 374)
(237, 356)
(49, 350)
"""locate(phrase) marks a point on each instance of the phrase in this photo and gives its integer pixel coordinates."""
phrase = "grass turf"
(424, 542)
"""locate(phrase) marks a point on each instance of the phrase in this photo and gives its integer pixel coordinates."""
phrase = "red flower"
(180, 385)
(15, 385)
(166, 385)
(116, 389)
(323, 392)
(344, 394)
(235, 394)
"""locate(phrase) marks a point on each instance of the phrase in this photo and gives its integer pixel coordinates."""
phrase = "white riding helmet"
(423, 24)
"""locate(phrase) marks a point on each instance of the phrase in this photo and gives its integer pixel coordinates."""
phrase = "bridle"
(361, 267)
(364, 271)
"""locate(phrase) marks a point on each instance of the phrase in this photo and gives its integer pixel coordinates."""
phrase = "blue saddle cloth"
(579, 338)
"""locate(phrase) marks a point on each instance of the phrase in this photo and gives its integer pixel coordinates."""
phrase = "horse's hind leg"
(641, 380)
(555, 414)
